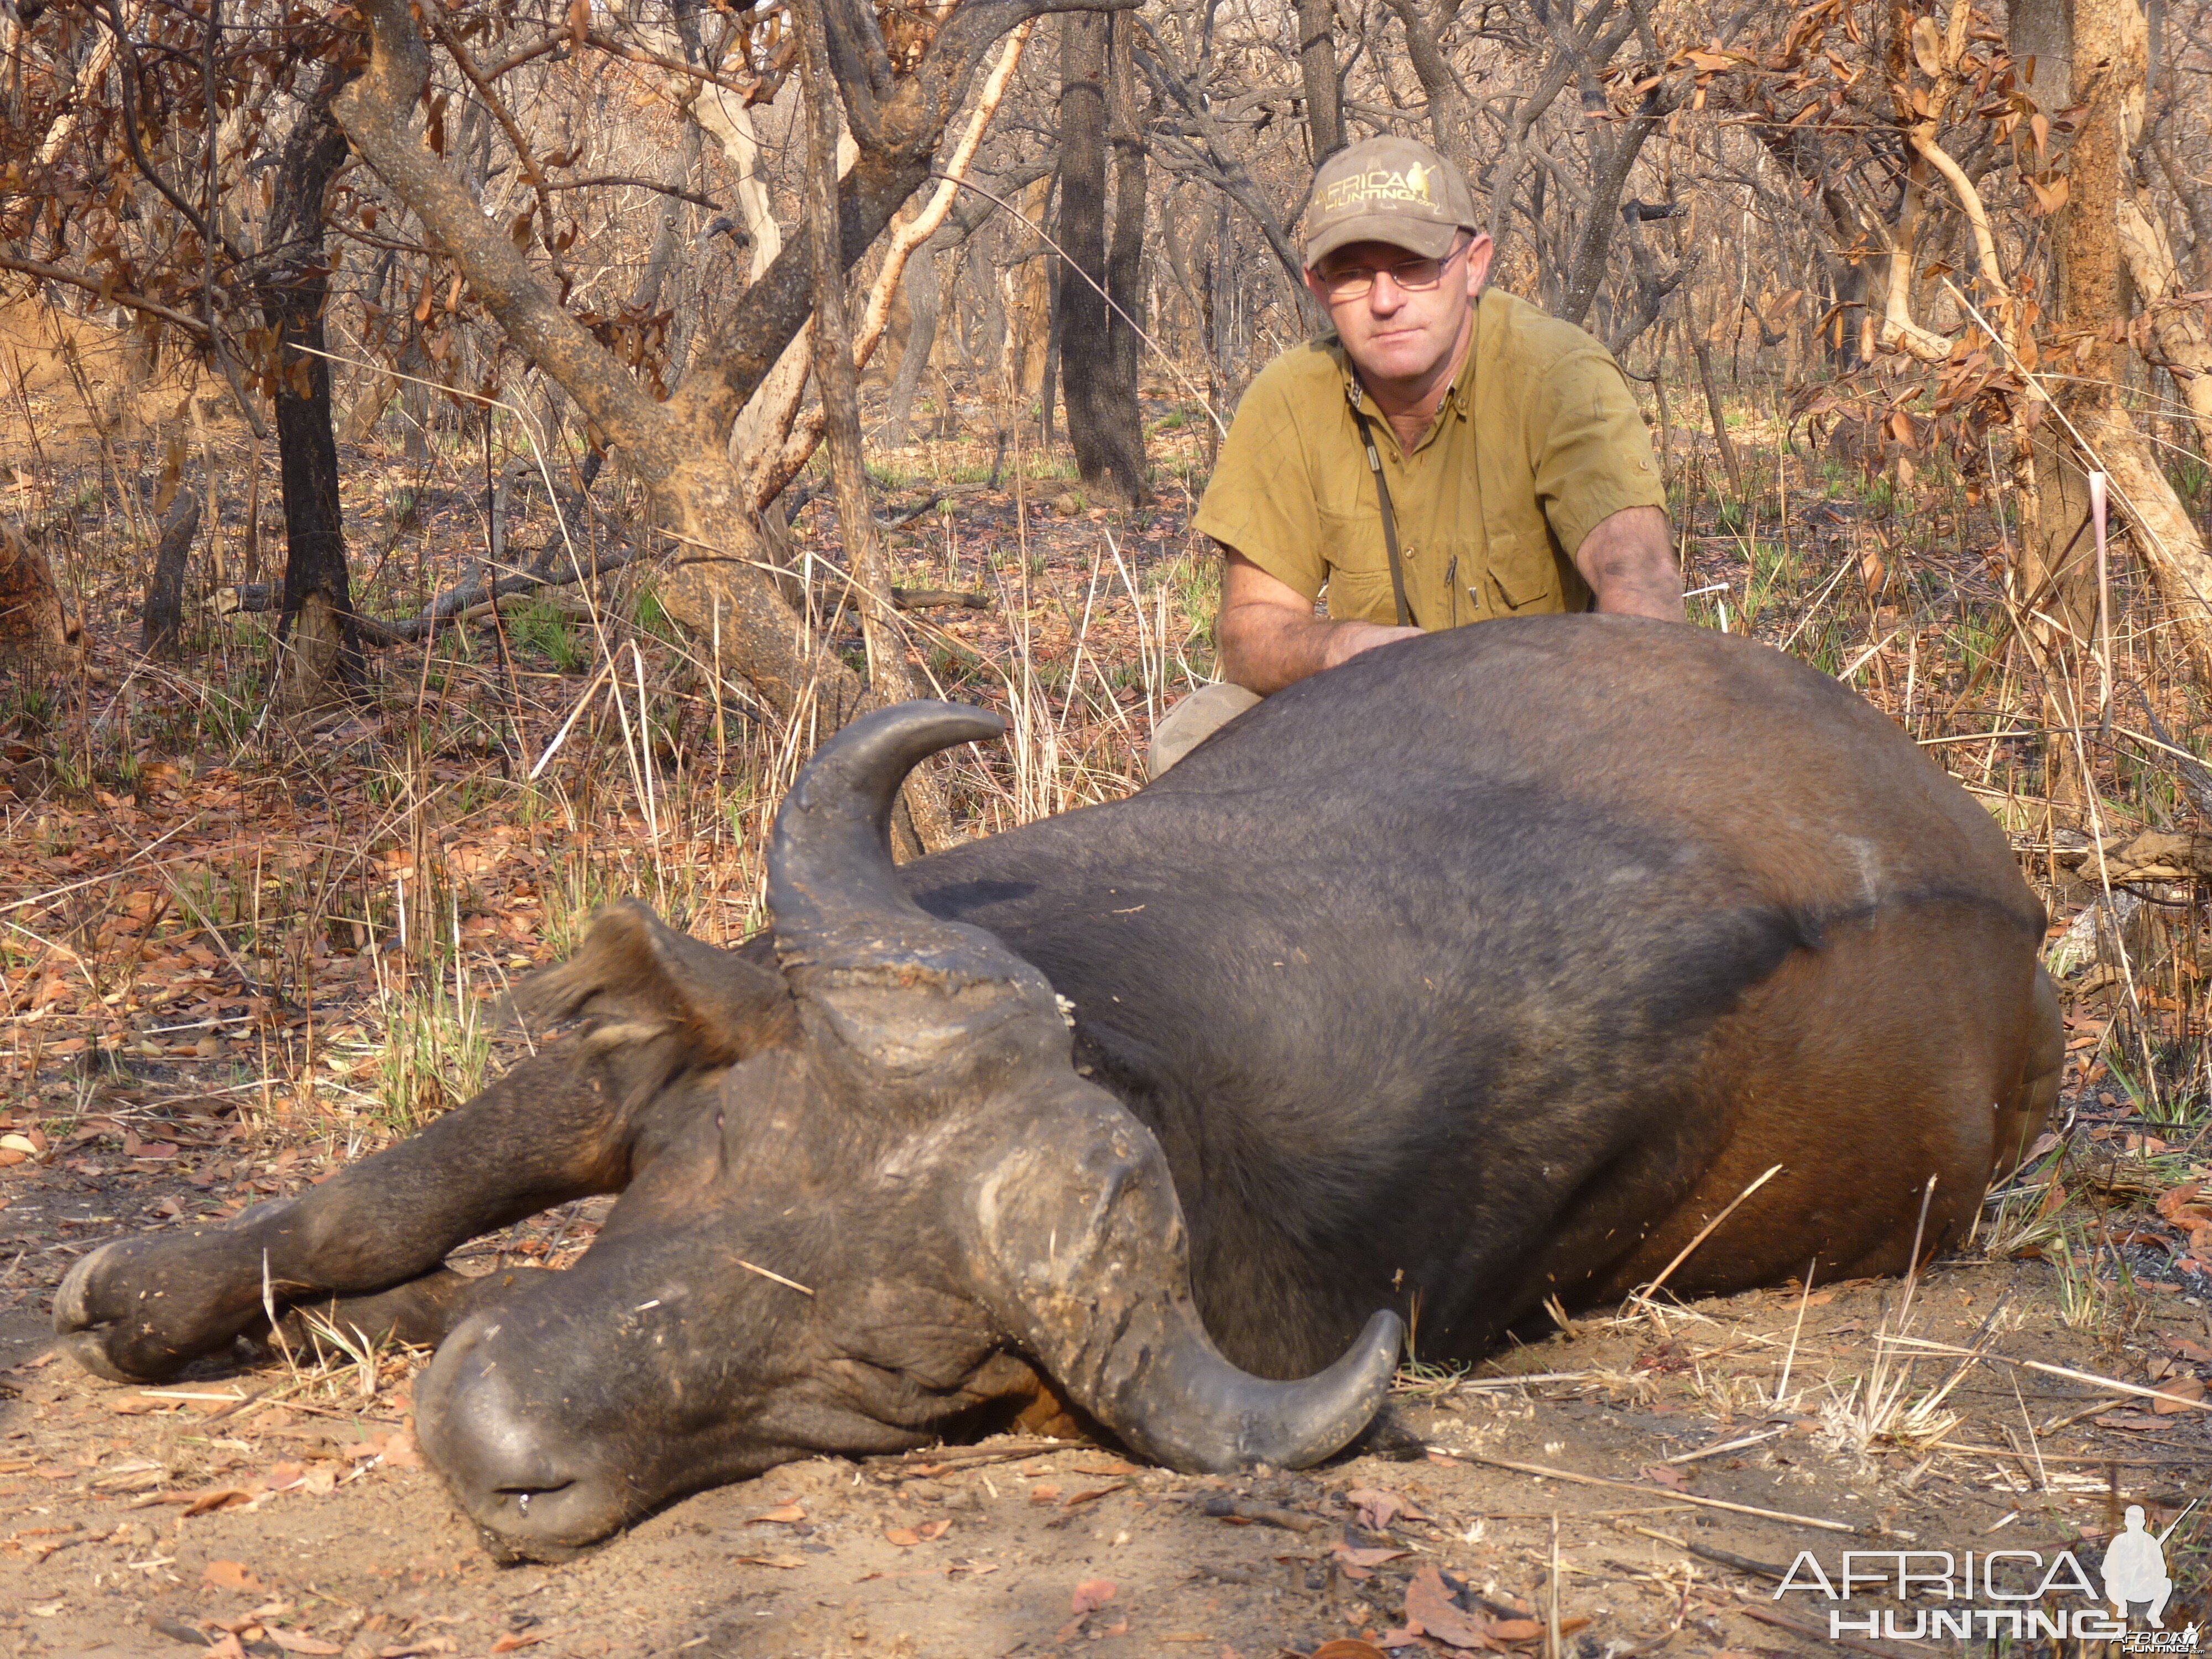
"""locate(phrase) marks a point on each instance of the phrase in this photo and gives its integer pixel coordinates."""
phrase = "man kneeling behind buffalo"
(1444, 455)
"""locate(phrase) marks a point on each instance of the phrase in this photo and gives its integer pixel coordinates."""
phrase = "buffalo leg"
(139, 1309)
(422, 1312)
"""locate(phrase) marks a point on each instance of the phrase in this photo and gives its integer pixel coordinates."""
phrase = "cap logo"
(1381, 185)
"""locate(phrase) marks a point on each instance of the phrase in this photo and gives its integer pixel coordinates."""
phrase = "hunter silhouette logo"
(2016, 1594)
(1416, 184)
(2135, 1568)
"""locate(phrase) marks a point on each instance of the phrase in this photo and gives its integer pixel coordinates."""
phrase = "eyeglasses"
(1411, 276)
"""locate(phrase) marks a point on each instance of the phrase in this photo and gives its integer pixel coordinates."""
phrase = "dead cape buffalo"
(1485, 968)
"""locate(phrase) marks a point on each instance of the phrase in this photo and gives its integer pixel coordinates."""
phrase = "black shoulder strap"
(1389, 518)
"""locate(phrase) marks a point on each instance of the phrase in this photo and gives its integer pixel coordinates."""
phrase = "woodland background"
(427, 513)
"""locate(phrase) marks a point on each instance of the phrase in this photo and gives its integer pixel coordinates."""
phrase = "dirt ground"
(151, 1521)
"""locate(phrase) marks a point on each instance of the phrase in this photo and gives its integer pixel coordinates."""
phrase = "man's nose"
(1385, 296)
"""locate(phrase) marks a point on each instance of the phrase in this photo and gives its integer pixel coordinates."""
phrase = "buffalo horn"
(892, 995)
(1082, 1244)
(830, 862)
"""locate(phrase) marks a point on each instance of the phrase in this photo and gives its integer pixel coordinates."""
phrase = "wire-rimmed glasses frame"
(1409, 276)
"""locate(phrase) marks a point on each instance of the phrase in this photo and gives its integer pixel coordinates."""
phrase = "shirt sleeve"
(1261, 500)
(1588, 448)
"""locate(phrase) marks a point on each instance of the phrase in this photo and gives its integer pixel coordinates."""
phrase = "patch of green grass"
(2191, 480)
(434, 1055)
(537, 627)
(649, 617)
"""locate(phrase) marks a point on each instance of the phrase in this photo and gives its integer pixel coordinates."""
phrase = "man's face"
(1394, 333)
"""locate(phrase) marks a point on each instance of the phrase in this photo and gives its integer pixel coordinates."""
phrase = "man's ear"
(1478, 254)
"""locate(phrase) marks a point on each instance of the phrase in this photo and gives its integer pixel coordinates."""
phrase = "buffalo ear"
(635, 969)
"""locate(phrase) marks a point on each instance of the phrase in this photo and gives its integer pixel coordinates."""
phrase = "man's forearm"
(1628, 560)
(1266, 647)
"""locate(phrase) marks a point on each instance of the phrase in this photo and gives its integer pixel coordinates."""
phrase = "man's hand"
(1269, 636)
(1628, 560)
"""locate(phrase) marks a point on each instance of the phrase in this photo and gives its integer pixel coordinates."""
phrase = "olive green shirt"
(1538, 440)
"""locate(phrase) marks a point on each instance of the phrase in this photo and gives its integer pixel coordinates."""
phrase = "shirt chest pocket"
(1522, 578)
(1358, 566)
(1361, 595)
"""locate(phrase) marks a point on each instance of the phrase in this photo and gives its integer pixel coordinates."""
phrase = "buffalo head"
(869, 1199)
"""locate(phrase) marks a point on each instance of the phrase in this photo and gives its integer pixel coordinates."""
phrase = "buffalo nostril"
(522, 1495)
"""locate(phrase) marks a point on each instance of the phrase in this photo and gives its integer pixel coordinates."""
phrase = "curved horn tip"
(1361, 1380)
(859, 771)
(909, 731)
(1229, 1421)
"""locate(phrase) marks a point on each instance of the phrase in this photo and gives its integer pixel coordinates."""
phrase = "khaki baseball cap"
(1387, 190)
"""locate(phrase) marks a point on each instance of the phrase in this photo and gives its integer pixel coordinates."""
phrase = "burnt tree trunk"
(163, 619)
(1056, 323)
(1609, 169)
(1317, 66)
(295, 286)
(1125, 251)
(36, 632)
(1103, 422)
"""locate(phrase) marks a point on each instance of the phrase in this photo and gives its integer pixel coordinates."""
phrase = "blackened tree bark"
(1124, 252)
(1317, 65)
(162, 620)
(317, 622)
(1103, 423)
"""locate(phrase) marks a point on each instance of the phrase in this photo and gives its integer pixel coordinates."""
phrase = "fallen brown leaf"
(1360, 1557)
(400, 1449)
(905, 1537)
(1105, 1465)
(2135, 1420)
(1663, 1475)
(786, 1563)
(229, 1575)
(517, 1639)
(1348, 1647)
(1431, 1610)
(784, 1515)
(2178, 1393)
(1378, 1507)
(1093, 1594)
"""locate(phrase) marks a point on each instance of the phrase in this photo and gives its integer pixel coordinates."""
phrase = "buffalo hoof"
(141, 1310)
